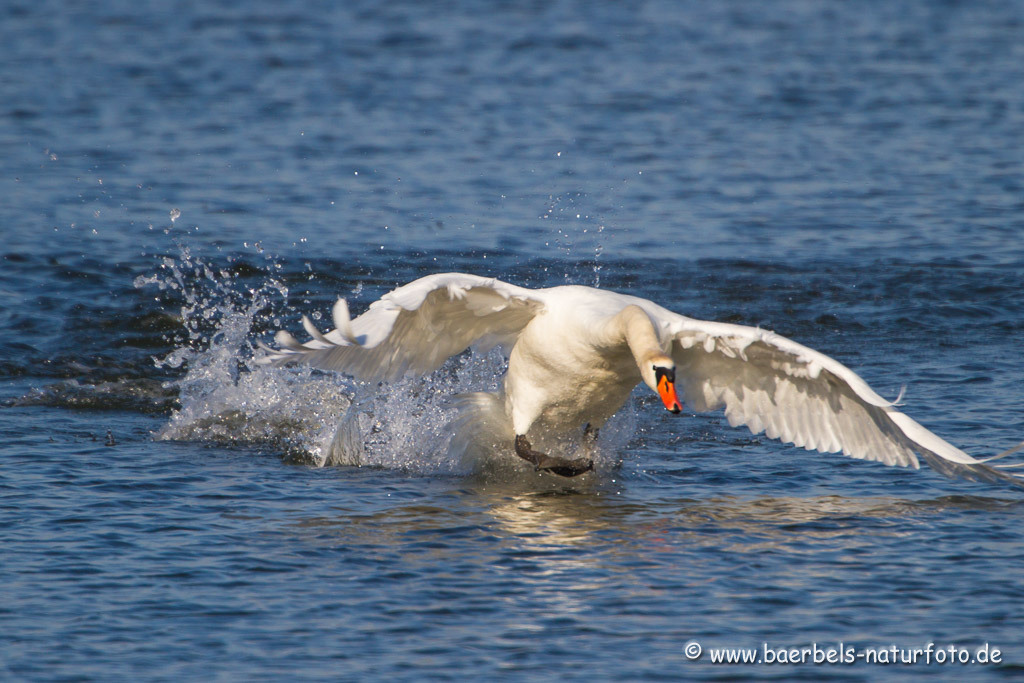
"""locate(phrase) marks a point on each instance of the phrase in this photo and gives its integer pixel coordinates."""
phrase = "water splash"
(440, 423)
(453, 421)
(414, 422)
(577, 234)
(313, 417)
(225, 396)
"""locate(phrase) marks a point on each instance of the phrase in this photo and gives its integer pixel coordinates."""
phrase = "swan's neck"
(637, 329)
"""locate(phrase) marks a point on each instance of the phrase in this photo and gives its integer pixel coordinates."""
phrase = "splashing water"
(225, 396)
(575, 232)
(451, 421)
(414, 422)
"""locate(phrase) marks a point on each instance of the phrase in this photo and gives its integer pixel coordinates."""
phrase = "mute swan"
(577, 353)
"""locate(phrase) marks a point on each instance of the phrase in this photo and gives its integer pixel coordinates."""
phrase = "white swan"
(578, 352)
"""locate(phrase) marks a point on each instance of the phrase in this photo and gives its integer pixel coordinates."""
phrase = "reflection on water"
(552, 559)
(549, 521)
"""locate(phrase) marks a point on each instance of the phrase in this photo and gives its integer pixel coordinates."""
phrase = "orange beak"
(667, 391)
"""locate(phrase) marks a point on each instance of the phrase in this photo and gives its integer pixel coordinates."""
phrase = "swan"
(578, 352)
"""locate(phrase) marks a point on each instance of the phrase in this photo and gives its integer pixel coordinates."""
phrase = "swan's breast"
(565, 371)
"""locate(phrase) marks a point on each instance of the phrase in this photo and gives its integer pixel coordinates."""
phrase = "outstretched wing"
(415, 328)
(793, 393)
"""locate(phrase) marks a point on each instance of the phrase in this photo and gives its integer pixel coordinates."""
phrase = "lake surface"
(181, 181)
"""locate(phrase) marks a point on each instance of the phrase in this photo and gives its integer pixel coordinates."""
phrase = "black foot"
(565, 468)
(546, 463)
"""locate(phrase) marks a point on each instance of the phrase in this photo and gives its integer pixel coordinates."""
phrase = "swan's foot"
(548, 463)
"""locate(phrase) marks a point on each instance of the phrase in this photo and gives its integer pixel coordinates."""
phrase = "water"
(182, 181)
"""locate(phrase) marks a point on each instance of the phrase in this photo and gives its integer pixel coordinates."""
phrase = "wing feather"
(798, 395)
(415, 328)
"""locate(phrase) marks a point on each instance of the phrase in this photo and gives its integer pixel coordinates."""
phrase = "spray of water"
(225, 396)
(575, 232)
(451, 421)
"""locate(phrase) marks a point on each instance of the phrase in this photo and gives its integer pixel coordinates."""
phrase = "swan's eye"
(668, 373)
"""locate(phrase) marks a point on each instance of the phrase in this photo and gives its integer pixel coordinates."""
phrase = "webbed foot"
(563, 467)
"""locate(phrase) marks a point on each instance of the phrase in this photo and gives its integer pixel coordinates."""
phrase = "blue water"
(182, 180)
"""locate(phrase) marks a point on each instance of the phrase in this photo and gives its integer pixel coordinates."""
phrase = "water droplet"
(175, 214)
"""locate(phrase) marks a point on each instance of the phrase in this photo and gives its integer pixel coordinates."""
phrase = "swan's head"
(659, 373)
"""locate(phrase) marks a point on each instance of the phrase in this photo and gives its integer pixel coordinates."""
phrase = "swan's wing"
(793, 393)
(415, 328)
